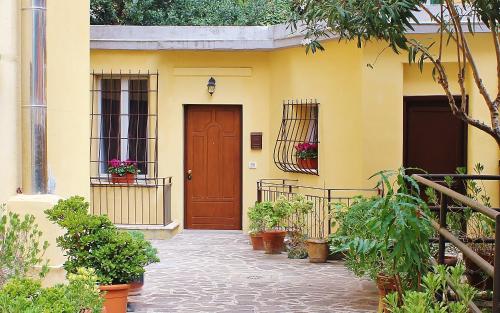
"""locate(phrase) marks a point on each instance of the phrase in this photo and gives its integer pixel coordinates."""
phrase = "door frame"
(186, 106)
(423, 100)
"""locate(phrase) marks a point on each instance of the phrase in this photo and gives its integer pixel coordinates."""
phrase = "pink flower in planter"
(114, 163)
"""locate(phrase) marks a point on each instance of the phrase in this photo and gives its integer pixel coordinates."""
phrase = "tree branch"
(475, 71)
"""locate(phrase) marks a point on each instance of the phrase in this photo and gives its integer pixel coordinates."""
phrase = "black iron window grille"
(124, 121)
(297, 144)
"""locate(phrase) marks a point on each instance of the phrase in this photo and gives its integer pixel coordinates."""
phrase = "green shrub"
(189, 12)
(94, 242)
(20, 248)
(388, 235)
(256, 216)
(26, 295)
(434, 296)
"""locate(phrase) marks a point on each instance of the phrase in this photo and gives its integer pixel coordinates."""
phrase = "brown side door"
(434, 139)
(213, 167)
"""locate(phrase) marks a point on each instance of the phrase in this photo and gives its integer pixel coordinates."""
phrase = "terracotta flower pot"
(385, 285)
(136, 286)
(308, 164)
(274, 241)
(317, 249)
(126, 179)
(115, 298)
(257, 241)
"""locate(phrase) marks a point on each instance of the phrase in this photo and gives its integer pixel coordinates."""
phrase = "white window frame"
(124, 123)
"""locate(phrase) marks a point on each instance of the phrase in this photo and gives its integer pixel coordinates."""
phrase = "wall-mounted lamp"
(211, 85)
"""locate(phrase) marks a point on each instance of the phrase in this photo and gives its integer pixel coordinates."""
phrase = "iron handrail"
(445, 235)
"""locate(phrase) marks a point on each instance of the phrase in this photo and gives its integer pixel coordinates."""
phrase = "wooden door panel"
(213, 154)
(434, 139)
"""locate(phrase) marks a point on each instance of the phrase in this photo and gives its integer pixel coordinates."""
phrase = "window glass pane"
(110, 125)
(138, 123)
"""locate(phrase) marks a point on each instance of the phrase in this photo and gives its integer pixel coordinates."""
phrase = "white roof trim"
(227, 38)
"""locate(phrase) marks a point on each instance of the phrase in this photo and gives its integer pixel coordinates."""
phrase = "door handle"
(189, 175)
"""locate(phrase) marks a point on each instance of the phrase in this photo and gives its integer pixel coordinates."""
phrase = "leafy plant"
(281, 209)
(300, 207)
(388, 235)
(256, 216)
(80, 295)
(434, 297)
(94, 242)
(307, 151)
(363, 21)
(189, 12)
(20, 248)
(120, 168)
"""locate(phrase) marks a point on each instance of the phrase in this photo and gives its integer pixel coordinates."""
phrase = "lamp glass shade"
(211, 85)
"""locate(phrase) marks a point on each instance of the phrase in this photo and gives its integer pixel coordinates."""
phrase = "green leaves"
(388, 234)
(189, 12)
(20, 247)
(27, 295)
(435, 283)
(94, 242)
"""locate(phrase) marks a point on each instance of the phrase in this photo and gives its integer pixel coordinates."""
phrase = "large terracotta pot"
(317, 249)
(136, 286)
(274, 241)
(308, 164)
(115, 298)
(126, 179)
(257, 241)
(385, 285)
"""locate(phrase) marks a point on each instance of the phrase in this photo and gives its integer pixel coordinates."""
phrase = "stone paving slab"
(217, 271)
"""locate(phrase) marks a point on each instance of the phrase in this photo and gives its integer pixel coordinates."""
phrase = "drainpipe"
(33, 96)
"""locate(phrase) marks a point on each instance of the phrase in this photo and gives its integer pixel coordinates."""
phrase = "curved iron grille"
(299, 125)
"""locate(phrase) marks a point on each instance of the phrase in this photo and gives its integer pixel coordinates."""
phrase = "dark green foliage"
(26, 295)
(389, 234)
(189, 12)
(94, 242)
(20, 247)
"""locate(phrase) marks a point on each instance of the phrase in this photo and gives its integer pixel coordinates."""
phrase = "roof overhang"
(226, 38)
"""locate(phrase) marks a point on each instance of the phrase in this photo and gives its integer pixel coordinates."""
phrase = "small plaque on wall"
(256, 141)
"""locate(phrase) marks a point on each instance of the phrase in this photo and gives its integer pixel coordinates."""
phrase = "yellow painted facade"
(361, 110)
(360, 117)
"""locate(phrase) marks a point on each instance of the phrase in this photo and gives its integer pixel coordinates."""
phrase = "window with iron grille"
(297, 144)
(124, 121)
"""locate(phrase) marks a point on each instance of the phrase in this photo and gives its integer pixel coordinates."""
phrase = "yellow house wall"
(9, 98)
(361, 109)
(67, 96)
(242, 79)
(68, 64)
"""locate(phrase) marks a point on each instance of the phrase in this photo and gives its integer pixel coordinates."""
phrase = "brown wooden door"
(434, 139)
(213, 167)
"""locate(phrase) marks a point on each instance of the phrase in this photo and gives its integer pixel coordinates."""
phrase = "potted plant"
(137, 283)
(274, 217)
(300, 208)
(391, 241)
(256, 216)
(434, 295)
(123, 172)
(307, 155)
(317, 247)
(94, 242)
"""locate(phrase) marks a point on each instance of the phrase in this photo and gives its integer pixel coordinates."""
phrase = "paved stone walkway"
(217, 271)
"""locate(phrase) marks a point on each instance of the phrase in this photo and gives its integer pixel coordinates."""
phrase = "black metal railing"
(146, 201)
(318, 222)
(299, 125)
(453, 201)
